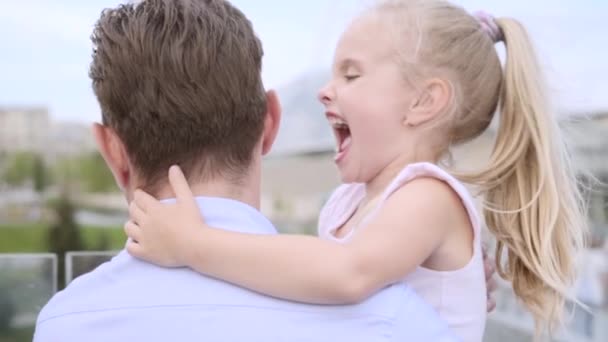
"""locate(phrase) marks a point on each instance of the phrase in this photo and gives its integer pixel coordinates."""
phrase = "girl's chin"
(347, 177)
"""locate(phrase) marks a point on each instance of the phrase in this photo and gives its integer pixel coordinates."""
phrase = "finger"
(492, 286)
(489, 269)
(145, 201)
(133, 231)
(491, 305)
(135, 249)
(137, 215)
(180, 186)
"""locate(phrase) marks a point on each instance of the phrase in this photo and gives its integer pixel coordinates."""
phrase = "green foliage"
(89, 170)
(64, 235)
(32, 238)
(26, 166)
(17, 335)
(7, 308)
(40, 174)
(20, 168)
(95, 175)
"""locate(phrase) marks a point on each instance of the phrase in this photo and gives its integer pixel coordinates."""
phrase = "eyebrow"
(348, 62)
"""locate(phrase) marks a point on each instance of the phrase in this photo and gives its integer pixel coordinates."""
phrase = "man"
(178, 82)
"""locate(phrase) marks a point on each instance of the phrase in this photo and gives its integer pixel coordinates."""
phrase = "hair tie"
(489, 26)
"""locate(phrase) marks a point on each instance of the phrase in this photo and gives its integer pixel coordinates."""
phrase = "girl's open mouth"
(343, 136)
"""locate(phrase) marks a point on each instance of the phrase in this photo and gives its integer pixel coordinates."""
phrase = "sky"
(45, 48)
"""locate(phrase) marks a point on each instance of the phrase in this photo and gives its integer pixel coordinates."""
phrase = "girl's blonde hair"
(533, 205)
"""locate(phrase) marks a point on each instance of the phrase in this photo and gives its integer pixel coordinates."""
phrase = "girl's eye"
(351, 77)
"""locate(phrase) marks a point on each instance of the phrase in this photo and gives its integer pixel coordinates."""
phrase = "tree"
(104, 243)
(64, 234)
(19, 168)
(94, 174)
(40, 175)
(7, 308)
(88, 171)
(27, 166)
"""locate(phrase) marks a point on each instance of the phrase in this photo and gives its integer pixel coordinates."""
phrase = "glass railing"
(79, 263)
(27, 282)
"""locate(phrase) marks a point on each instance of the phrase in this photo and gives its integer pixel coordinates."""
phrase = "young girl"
(411, 79)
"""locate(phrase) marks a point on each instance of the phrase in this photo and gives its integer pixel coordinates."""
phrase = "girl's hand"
(163, 233)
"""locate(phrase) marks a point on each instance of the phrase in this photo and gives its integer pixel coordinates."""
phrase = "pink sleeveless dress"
(458, 296)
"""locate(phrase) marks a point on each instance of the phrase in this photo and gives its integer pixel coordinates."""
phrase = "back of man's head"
(179, 81)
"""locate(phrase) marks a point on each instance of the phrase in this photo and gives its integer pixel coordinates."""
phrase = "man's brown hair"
(180, 83)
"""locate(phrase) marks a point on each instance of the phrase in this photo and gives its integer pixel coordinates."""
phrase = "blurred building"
(32, 130)
(589, 140)
(295, 187)
(70, 138)
(24, 129)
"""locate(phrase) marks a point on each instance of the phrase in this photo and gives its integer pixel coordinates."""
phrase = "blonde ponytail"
(533, 205)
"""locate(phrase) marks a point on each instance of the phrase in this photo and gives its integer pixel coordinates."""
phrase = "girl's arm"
(405, 232)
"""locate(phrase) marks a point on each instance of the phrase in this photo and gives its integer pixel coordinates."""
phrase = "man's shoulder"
(112, 284)
(124, 290)
(79, 295)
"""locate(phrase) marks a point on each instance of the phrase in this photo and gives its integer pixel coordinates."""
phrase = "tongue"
(343, 147)
(345, 143)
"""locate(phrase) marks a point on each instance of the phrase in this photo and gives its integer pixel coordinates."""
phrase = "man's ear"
(432, 101)
(114, 153)
(271, 122)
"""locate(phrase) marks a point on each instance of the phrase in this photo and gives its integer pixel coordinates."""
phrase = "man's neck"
(247, 190)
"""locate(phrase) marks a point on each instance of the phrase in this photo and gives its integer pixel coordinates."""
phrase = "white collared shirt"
(127, 299)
